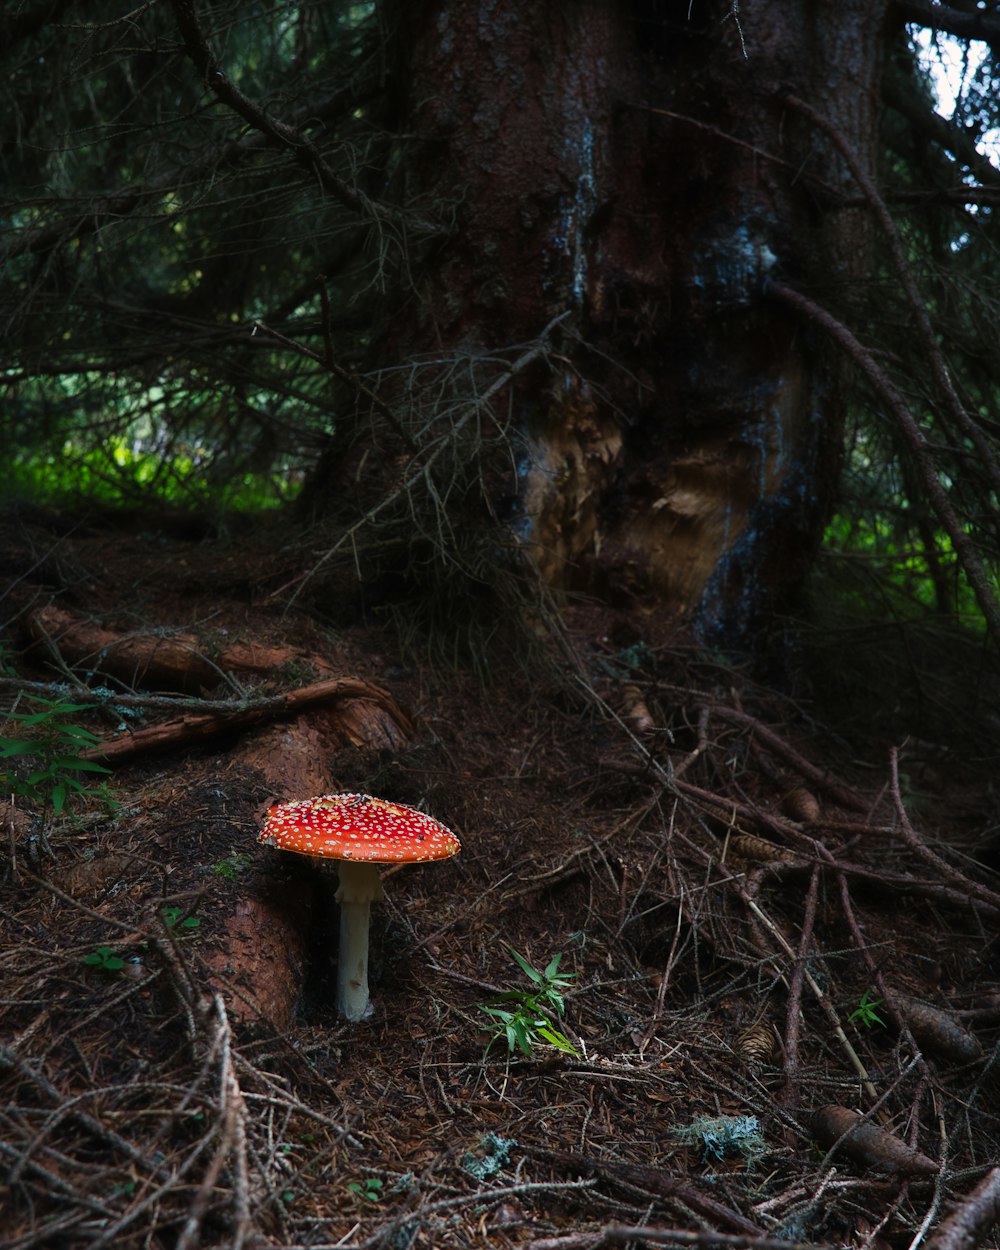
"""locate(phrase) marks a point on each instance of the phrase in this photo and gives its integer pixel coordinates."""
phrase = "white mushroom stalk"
(360, 832)
(360, 886)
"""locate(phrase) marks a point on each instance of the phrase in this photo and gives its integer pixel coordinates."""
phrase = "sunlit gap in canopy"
(954, 65)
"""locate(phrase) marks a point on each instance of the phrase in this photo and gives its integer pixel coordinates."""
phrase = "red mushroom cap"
(358, 827)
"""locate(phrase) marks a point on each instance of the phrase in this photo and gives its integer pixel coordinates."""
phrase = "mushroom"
(360, 831)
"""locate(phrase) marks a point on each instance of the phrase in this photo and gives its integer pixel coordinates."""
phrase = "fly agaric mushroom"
(360, 832)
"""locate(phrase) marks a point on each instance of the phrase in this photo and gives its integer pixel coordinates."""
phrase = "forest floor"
(783, 1002)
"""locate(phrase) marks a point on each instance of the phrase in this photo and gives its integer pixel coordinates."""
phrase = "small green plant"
(106, 958)
(368, 1190)
(523, 1017)
(232, 865)
(865, 1012)
(172, 919)
(55, 744)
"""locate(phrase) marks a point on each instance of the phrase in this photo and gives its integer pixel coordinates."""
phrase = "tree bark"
(633, 163)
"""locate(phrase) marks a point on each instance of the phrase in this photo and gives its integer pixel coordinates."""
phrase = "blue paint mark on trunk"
(569, 238)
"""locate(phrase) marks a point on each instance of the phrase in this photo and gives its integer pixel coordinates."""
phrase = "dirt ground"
(783, 1005)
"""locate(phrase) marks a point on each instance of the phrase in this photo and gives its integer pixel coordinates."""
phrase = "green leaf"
(15, 746)
(78, 733)
(557, 1039)
(172, 915)
(518, 1036)
(526, 968)
(500, 1014)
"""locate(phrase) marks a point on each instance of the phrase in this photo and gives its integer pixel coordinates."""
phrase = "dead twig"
(821, 996)
(232, 1143)
(654, 1181)
(620, 1234)
(974, 890)
(819, 777)
(790, 1093)
(10, 1061)
(969, 1223)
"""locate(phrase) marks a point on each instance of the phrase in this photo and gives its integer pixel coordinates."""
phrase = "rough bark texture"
(627, 162)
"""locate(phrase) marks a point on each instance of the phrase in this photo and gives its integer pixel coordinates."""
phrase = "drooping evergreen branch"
(103, 210)
(345, 375)
(281, 133)
(915, 439)
(897, 251)
(27, 22)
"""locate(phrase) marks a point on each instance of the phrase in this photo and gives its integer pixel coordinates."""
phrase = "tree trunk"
(635, 165)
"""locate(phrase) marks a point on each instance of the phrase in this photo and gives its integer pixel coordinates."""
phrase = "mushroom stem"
(360, 886)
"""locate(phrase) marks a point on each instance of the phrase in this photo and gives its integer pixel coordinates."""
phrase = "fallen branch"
(620, 1234)
(972, 888)
(191, 728)
(154, 658)
(820, 994)
(655, 1181)
(819, 777)
(790, 1093)
(969, 1223)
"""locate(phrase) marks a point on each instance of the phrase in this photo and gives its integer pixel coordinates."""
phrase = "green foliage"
(106, 958)
(918, 577)
(368, 1190)
(151, 381)
(865, 1013)
(116, 474)
(231, 866)
(52, 741)
(523, 1017)
(172, 919)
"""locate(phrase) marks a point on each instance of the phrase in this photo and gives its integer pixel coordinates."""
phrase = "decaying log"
(155, 659)
(193, 728)
(290, 757)
(262, 955)
(254, 657)
(160, 661)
